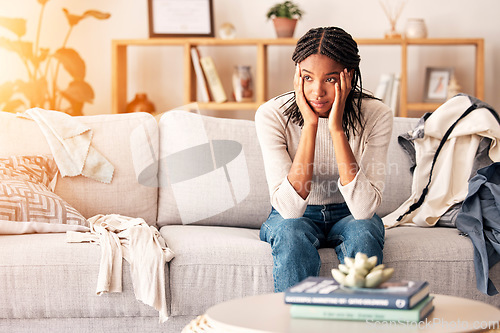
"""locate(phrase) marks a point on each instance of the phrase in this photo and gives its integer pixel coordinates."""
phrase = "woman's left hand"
(342, 90)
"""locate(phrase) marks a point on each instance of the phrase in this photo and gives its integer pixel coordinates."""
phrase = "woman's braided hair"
(338, 45)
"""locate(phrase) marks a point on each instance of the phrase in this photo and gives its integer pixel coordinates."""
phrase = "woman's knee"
(295, 233)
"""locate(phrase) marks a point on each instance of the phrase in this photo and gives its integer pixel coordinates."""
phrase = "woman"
(324, 147)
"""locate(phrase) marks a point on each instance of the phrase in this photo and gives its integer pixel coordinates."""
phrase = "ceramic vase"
(415, 28)
(141, 103)
(242, 84)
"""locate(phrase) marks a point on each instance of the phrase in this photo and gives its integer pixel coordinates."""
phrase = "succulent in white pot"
(361, 272)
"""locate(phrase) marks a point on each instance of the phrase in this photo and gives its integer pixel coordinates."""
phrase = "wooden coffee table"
(269, 313)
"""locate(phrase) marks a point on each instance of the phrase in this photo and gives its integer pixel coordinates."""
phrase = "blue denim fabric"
(295, 242)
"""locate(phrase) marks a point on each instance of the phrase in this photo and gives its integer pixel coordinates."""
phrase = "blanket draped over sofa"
(122, 237)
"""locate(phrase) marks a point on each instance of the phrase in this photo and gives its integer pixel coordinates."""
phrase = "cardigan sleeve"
(363, 195)
(277, 162)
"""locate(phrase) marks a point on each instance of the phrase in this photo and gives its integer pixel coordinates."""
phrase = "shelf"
(228, 106)
(119, 67)
(422, 106)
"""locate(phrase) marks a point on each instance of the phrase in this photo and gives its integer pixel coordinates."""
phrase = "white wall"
(158, 71)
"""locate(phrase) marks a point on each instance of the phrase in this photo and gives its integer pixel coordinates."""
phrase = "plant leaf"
(72, 62)
(35, 91)
(15, 25)
(79, 91)
(6, 91)
(41, 57)
(23, 49)
(13, 105)
(72, 19)
(97, 14)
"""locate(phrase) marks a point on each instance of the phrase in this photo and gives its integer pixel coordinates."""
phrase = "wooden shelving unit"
(119, 67)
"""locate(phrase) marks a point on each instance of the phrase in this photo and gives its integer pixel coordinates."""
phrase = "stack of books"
(324, 298)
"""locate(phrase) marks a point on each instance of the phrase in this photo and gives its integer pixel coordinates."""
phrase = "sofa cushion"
(441, 256)
(211, 172)
(224, 263)
(123, 139)
(42, 276)
(398, 177)
(25, 194)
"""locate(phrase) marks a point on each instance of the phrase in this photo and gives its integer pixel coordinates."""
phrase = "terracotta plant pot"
(284, 27)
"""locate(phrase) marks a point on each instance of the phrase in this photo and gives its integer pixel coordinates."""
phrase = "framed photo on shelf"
(437, 80)
(180, 18)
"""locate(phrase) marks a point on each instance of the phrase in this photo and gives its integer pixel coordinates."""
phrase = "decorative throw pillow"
(26, 196)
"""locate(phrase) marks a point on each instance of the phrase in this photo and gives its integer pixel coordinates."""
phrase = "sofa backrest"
(211, 172)
(121, 139)
(399, 177)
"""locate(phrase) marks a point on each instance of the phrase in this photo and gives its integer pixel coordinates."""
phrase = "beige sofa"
(209, 215)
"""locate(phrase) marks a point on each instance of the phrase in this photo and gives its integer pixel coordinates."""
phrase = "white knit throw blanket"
(70, 143)
(144, 249)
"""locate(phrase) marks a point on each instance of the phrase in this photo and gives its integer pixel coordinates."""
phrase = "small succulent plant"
(361, 272)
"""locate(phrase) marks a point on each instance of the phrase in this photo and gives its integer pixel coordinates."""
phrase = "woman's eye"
(331, 79)
(306, 77)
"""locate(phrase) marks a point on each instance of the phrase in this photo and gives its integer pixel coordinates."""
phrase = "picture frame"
(437, 80)
(180, 18)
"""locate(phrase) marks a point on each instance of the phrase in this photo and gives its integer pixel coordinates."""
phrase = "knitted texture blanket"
(121, 237)
(70, 143)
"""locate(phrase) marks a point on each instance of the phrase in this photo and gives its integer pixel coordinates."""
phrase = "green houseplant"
(42, 87)
(285, 16)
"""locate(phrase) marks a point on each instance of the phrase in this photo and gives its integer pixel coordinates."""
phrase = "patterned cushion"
(25, 195)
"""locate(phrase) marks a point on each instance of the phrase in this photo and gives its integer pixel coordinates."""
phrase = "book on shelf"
(388, 90)
(395, 93)
(200, 76)
(213, 79)
(384, 87)
(416, 314)
(327, 291)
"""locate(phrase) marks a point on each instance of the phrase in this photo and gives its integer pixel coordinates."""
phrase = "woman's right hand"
(310, 117)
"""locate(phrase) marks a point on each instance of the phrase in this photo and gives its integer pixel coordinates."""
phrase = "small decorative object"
(227, 31)
(180, 18)
(453, 88)
(41, 86)
(415, 28)
(242, 84)
(141, 103)
(437, 81)
(361, 272)
(393, 10)
(285, 16)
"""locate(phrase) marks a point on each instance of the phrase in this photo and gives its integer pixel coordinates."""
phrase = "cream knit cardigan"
(121, 237)
(279, 145)
(454, 164)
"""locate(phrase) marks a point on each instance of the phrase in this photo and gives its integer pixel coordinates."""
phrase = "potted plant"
(285, 16)
(42, 87)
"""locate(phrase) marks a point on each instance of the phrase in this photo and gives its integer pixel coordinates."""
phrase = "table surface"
(269, 313)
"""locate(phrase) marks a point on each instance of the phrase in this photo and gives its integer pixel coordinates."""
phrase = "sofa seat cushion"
(440, 256)
(215, 264)
(42, 276)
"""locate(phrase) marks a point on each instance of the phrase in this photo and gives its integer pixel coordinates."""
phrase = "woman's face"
(320, 73)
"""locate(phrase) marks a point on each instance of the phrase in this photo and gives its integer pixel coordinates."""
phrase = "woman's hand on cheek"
(309, 116)
(342, 90)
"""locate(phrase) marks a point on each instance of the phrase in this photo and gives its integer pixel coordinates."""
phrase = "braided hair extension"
(338, 45)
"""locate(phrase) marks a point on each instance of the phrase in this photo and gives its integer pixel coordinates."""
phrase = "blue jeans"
(295, 242)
